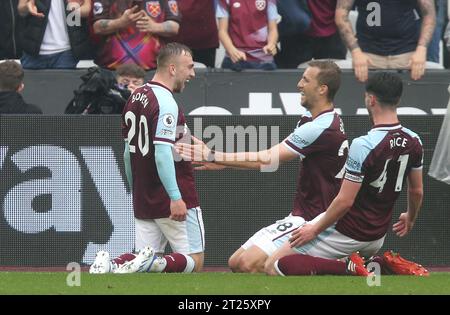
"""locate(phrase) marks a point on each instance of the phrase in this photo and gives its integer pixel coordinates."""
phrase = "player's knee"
(199, 260)
(233, 263)
(248, 266)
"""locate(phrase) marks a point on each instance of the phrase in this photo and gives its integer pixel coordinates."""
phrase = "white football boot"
(142, 262)
(102, 263)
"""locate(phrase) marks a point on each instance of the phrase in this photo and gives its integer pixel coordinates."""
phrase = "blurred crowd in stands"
(229, 34)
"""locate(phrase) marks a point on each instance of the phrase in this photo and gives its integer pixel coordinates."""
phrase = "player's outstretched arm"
(207, 166)
(271, 158)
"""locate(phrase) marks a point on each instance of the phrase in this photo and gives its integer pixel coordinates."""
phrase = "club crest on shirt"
(168, 120)
(98, 8)
(173, 7)
(260, 4)
(153, 8)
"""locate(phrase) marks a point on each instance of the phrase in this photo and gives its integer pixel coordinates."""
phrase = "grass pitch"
(216, 283)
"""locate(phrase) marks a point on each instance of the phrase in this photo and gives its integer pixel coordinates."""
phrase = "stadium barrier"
(249, 93)
(63, 191)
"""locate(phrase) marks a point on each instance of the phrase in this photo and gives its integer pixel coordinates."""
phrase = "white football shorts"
(186, 237)
(332, 244)
(267, 239)
(329, 244)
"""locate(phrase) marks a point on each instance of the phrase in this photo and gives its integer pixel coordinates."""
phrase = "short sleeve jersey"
(198, 28)
(322, 22)
(380, 161)
(152, 116)
(129, 45)
(387, 27)
(247, 25)
(323, 147)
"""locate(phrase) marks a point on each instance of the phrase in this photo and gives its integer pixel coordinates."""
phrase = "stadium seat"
(84, 64)
(199, 65)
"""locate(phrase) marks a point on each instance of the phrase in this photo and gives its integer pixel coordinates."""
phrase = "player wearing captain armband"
(318, 140)
(359, 217)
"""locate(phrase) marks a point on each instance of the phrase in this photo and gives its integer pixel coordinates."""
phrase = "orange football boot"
(401, 266)
(355, 264)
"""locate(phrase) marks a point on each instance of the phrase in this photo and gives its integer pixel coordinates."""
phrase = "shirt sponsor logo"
(98, 8)
(165, 132)
(236, 5)
(173, 7)
(153, 8)
(168, 120)
(353, 164)
(298, 140)
(260, 4)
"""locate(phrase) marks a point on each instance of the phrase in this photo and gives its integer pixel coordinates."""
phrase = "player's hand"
(361, 63)
(198, 151)
(32, 9)
(404, 225)
(237, 55)
(207, 166)
(417, 62)
(303, 235)
(178, 210)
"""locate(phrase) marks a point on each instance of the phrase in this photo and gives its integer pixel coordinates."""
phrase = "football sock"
(299, 264)
(123, 258)
(384, 268)
(174, 262)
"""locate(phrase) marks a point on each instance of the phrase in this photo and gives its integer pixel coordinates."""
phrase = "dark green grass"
(217, 284)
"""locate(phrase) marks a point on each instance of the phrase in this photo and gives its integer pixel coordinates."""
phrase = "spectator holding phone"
(133, 31)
